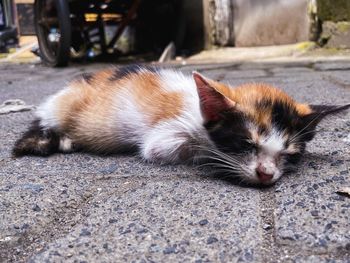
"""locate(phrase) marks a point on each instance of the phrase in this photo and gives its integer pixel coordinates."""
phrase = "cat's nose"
(263, 175)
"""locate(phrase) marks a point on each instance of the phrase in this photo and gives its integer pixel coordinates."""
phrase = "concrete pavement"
(86, 208)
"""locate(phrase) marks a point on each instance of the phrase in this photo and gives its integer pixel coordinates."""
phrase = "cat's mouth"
(264, 178)
(243, 180)
(266, 173)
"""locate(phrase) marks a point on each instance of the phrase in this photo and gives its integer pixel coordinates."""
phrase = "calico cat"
(253, 131)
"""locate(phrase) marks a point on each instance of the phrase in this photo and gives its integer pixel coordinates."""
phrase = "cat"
(254, 131)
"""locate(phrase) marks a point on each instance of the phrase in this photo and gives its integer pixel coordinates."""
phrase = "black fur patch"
(88, 77)
(231, 134)
(284, 116)
(291, 160)
(122, 72)
(37, 141)
(325, 110)
(263, 104)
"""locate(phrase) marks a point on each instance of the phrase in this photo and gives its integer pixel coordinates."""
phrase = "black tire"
(180, 27)
(53, 15)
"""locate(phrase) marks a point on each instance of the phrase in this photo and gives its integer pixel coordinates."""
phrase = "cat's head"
(259, 131)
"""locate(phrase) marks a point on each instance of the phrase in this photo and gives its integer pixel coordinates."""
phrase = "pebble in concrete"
(161, 221)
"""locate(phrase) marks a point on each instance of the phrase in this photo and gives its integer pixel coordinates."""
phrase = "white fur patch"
(46, 112)
(65, 144)
(292, 148)
(171, 141)
(162, 142)
(43, 142)
(273, 143)
(176, 81)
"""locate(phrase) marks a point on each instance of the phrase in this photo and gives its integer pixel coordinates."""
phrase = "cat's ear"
(309, 121)
(212, 102)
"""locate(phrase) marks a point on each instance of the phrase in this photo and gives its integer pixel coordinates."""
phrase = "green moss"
(332, 49)
(12, 50)
(304, 46)
(333, 10)
(343, 27)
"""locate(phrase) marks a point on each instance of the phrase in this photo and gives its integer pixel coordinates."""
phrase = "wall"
(25, 16)
(257, 22)
(270, 22)
(334, 19)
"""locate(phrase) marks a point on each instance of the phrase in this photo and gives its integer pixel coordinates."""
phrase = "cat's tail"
(37, 140)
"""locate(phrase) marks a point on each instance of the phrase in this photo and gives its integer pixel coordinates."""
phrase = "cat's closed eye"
(251, 146)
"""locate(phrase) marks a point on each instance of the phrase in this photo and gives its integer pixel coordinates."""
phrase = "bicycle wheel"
(53, 29)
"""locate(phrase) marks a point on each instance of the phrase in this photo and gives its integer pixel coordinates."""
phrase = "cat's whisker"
(238, 165)
(308, 125)
(296, 138)
(216, 152)
(225, 161)
(230, 166)
(212, 165)
(222, 154)
(229, 162)
(228, 174)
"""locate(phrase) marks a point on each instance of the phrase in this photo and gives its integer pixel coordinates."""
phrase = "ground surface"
(85, 208)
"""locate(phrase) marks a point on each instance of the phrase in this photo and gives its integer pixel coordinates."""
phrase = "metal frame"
(57, 20)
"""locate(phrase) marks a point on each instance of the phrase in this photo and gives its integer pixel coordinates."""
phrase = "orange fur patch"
(99, 79)
(153, 100)
(303, 109)
(248, 95)
(83, 111)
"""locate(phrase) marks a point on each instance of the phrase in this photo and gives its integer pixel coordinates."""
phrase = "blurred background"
(61, 31)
